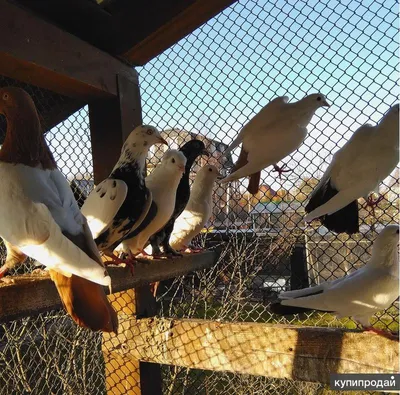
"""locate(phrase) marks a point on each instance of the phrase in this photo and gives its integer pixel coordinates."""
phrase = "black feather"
(192, 150)
(147, 220)
(79, 195)
(344, 220)
(131, 208)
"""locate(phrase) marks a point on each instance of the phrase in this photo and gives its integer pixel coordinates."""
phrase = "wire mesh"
(208, 86)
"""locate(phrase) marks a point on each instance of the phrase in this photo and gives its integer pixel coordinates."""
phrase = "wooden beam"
(29, 295)
(38, 53)
(293, 352)
(175, 29)
(111, 121)
(122, 374)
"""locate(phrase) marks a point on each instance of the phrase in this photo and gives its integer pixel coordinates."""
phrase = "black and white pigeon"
(162, 183)
(356, 169)
(272, 134)
(372, 288)
(120, 203)
(192, 150)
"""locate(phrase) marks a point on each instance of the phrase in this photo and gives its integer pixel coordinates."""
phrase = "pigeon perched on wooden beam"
(163, 183)
(120, 203)
(192, 150)
(272, 134)
(372, 288)
(41, 219)
(356, 169)
(198, 210)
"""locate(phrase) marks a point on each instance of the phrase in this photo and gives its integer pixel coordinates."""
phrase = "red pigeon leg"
(118, 261)
(372, 204)
(281, 170)
(381, 332)
(3, 271)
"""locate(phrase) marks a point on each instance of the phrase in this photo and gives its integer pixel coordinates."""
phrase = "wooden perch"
(29, 295)
(298, 353)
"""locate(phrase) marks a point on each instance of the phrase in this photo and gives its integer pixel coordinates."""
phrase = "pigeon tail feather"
(86, 302)
(343, 220)
(278, 308)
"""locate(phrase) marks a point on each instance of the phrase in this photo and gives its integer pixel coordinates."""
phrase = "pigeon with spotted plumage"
(120, 203)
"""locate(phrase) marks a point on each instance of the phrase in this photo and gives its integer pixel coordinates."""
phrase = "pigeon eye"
(173, 160)
(319, 98)
(149, 132)
(209, 169)
(5, 96)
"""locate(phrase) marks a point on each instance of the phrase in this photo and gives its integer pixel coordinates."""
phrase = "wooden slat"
(122, 374)
(30, 295)
(175, 29)
(38, 53)
(299, 353)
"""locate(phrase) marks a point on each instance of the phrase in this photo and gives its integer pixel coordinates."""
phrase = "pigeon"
(275, 132)
(163, 183)
(356, 169)
(198, 210)
(120, 203)
(372, 288)
(41, 219)
(192, 150)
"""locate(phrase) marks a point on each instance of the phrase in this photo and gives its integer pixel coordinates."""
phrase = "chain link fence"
(208, 86)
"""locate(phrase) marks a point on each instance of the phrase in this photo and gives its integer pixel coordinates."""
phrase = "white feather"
(362, 163)
(372, 288)
(198, 209)
(103, 203)
(36, 206)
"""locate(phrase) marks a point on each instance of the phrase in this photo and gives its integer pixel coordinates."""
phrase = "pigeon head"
(24, 142)
(15, 102)
(208, 173)
(192, 149)
(144, 136)
(174, 161)
(316, 100)
(392, 115)
(386, 243)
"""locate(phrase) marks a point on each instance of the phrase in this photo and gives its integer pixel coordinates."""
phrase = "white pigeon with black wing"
(272, 134)
(372, 288)
(163, 183)
(120, 203)
(356, 169)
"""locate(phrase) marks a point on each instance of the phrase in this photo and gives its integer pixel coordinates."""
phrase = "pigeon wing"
(103, 203)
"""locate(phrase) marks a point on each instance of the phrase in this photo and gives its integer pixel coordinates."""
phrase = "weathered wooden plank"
(36, 52)
(29, 295)
(122, 374)
(176, 28)
(299, 353)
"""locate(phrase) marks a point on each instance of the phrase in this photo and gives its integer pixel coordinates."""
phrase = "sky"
(217, 78)
(222, 74)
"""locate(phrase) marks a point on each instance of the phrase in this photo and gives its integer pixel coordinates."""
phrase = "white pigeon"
(356, 169)
(198, 209)
(163, 183)
(120, 203)
(272, 134)
(372, 288)
(41, 219)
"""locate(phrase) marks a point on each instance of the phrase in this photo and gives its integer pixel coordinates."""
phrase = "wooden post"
(111, 121)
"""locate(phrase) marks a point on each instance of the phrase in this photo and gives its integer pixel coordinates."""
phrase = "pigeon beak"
(220, 176)
(205, 152)
(162, 141)
(325, 104)
(181, 168)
